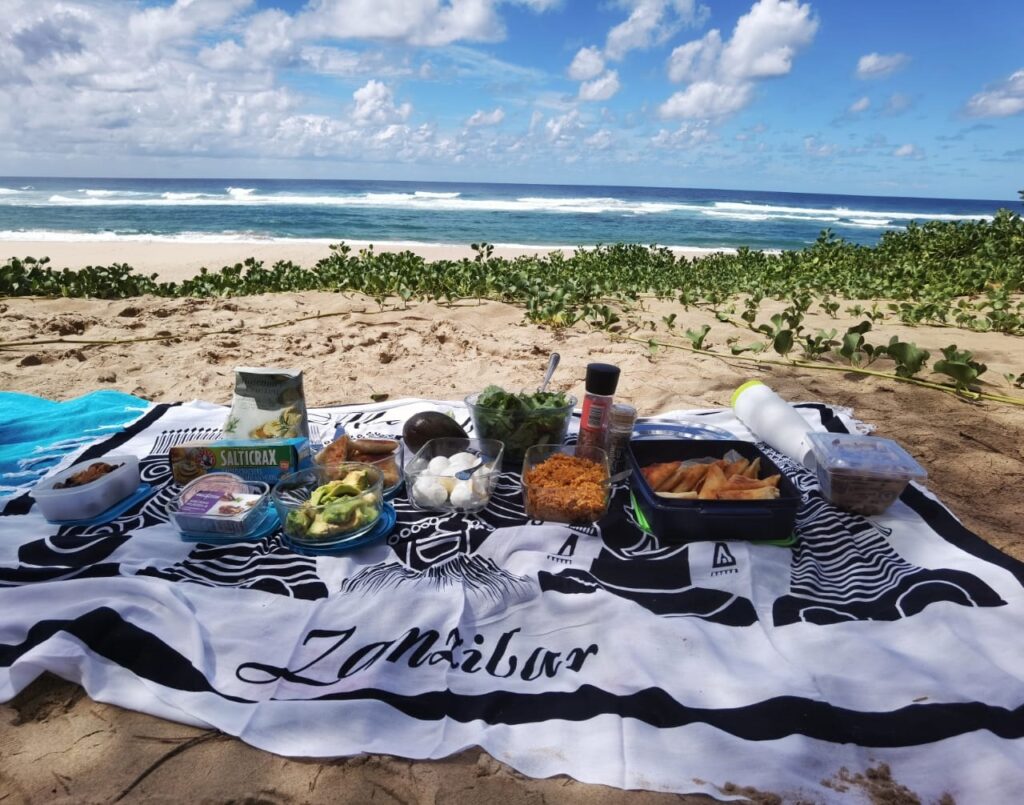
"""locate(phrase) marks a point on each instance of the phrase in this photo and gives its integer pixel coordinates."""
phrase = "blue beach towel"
(36, 433)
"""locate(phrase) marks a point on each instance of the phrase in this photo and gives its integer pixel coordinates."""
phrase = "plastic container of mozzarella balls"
(431, 481)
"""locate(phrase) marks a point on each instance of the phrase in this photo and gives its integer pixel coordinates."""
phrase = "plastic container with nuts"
(862, 474)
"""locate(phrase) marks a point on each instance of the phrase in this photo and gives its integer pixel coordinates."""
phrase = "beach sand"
(58, 745)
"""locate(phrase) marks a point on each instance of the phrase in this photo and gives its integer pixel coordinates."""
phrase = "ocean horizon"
(450, 213)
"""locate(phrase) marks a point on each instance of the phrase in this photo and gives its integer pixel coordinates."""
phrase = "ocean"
(451, 213)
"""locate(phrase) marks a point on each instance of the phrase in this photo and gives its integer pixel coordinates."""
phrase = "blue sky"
(867, 97)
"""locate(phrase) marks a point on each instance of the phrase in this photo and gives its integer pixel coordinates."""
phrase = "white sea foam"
(51, 236)
(842, 213)
(419, 200)
(429, 201)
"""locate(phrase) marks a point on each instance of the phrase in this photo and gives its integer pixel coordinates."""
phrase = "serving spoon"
(464, 475)
(552, 365)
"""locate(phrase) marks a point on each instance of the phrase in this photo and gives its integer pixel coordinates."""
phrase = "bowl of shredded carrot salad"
(565, 483)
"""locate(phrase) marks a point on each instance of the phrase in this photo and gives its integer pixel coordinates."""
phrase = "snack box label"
(211, 503)
(250, 459)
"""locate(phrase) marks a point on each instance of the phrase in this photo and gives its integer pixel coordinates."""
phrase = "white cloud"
(375, 103)
(652, 22)
(708, 100)
(600, 89)
(688, 135)
(860, 105)
(482, 118)
(588, 63)
(897, 104)
(181, 20)
(907, 151)
(815, 148)
(766, 38)
(600, 140)
(416, 22)
(696, 60)
(563, 131)
(538, 5)
(194, 78)
(1000, 100)
(878, 65)
(722, 76)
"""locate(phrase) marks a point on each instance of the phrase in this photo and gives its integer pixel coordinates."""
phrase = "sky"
(872, 97)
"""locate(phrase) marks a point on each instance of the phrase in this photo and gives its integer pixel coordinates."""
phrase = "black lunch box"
(679, 521)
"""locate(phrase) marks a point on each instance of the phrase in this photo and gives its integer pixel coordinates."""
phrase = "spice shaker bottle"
(602, 379)
(771, 419)
(620, 430)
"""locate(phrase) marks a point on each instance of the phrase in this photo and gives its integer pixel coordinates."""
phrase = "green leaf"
(783, 342)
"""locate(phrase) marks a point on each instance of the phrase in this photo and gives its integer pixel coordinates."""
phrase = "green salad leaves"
(521, 420)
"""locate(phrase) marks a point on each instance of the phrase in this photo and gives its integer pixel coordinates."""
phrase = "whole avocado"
(421, 428)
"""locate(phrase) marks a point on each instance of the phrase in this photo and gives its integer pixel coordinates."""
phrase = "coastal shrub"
(969, 273)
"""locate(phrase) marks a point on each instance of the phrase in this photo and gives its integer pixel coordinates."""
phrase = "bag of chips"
(268, 404)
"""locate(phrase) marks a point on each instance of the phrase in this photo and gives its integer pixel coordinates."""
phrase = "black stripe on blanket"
(767, 720)
(23, 503)
(937, 516)
(106, 633)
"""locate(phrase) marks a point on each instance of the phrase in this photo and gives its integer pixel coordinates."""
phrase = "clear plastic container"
(862, 474)
(431, 484)
(350, 511)
(565, 502)
(220, 503)
(89, 499)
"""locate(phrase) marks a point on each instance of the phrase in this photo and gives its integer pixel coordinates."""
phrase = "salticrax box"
(251, 459)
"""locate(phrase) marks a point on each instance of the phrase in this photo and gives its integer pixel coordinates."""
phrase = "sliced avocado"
(320, 528)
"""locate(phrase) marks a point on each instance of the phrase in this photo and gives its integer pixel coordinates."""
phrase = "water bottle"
(773, 420)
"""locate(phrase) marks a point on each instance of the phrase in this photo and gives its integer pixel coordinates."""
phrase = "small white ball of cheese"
(437, 465)
(462, 461)
(428, 492)
(462, 495)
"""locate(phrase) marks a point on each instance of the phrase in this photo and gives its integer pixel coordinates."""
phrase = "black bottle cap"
(602, 378)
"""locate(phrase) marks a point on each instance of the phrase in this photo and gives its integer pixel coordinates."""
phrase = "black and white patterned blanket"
(594, 652)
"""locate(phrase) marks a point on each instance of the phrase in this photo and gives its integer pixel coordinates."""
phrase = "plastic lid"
(621, 417)
(736, 394)
(602, 378)
(219, 495)
(854, 454)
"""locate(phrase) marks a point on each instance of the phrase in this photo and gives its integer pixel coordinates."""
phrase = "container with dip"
(220, 505)
(862, 474)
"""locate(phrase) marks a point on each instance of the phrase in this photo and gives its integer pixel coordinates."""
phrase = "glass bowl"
(518, 429)
(220, 504)
(387, 457)
(431, 486)
(351, 511)
(580, 500)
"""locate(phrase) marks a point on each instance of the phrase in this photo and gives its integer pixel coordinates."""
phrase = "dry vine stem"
(971, 395)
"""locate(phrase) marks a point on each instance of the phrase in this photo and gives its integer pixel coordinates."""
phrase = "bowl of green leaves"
(520, 419)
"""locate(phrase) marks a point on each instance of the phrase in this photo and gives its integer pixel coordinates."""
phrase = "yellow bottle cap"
(736, 394)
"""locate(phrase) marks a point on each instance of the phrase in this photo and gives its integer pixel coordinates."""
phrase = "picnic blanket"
(590, 651)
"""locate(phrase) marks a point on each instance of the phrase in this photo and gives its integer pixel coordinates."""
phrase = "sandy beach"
(58, 745)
